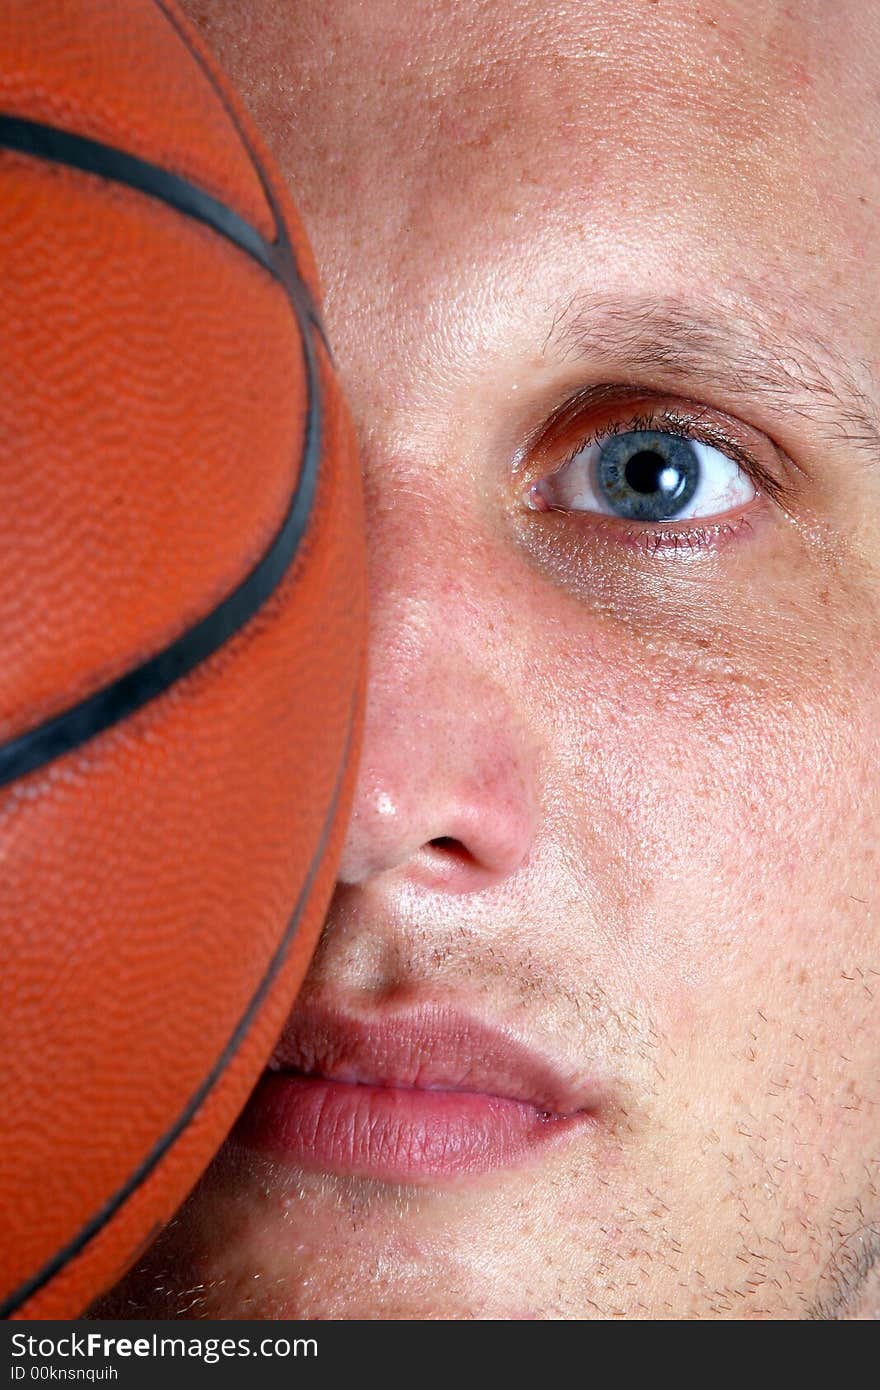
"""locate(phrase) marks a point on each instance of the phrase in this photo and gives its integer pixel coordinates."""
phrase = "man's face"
(619, 801)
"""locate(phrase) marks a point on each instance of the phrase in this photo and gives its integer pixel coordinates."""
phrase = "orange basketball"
(182, 629)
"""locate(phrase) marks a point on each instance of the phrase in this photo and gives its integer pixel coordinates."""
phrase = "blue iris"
(645, 475)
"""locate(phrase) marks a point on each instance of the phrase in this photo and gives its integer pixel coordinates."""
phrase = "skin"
(651, 764)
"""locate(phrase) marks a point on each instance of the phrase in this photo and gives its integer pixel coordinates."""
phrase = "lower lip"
(393, 1133)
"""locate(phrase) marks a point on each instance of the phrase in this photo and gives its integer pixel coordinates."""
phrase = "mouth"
(414, 1095)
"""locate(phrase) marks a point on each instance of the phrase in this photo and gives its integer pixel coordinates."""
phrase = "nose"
(447, 790)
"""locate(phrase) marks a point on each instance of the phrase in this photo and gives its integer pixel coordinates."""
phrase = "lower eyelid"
(696, 541)
(660, 540)
(569, 545)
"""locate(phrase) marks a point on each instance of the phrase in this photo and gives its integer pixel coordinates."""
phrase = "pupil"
(644, 472)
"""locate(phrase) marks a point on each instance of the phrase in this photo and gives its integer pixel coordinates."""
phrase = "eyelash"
(654, 539)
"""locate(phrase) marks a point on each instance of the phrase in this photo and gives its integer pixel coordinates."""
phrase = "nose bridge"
(448, 780)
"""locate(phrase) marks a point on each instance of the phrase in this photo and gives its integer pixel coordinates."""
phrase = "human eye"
(666, 474)
(646, 475)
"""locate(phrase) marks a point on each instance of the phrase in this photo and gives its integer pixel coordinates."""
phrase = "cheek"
(725, 823)
(726, 834)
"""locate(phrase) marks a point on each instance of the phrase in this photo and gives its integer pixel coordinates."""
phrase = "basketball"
(182, 629)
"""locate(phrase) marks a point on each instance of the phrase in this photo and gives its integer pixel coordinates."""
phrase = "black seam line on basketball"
(265, 182)
(160, 1148)
(80, 152)
(116, 701)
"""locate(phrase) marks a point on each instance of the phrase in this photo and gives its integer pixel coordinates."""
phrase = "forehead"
(503, 150)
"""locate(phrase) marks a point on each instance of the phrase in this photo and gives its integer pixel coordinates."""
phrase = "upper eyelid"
(665, 423)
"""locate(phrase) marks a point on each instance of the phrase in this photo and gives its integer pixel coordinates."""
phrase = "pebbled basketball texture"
(182, 629)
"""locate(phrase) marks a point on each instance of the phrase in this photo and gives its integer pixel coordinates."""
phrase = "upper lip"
(428, 1046)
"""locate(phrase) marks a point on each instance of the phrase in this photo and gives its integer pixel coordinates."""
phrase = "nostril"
(447, 844)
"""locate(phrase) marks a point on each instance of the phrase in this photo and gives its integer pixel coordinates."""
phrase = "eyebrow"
(739, 358)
